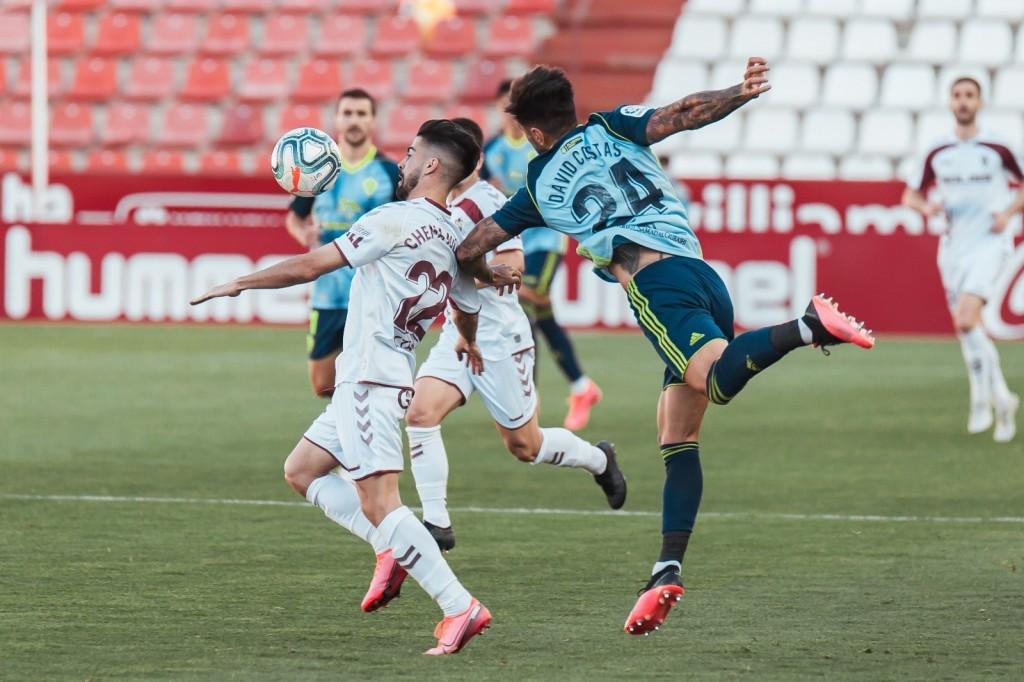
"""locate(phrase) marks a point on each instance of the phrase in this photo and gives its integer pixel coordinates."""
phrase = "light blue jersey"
(601, 185)
(360, 188)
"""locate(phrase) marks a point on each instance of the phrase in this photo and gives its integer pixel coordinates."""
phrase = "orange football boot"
(662, 593)
(454, 632)
(579, 406)
(386, 583)
(830, 325)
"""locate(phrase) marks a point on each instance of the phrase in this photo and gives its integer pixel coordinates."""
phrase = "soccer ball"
(305, 162)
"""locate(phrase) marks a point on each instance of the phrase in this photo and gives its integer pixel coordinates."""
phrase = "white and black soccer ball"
(305, 161)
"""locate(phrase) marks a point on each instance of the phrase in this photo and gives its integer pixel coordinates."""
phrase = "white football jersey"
(503, 329)
(406, 273)
(972, 177)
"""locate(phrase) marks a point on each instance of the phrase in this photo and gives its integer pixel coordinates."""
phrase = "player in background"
(971, 169)
(600, 183)
(506, 386)
(506, 157)
(406, 270)
(367, 179)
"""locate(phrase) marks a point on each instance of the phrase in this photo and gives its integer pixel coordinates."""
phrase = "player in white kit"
(971, 169)
(505, 386)
(406, 275)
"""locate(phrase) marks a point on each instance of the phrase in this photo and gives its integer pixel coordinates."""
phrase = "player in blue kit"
(600, 183)
(367, 180)
(506, 157)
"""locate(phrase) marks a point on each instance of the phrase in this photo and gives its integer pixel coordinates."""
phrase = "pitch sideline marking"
(875, 518)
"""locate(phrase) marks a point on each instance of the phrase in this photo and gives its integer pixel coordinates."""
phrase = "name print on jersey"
(568, 168)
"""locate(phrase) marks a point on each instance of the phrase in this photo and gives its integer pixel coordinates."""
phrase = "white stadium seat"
(760, 36)
(728, 8)
(751, 166)
(950, 73)
(832, 8)
(695, 165)
(720, 136)
(1009, 88)
(932, 41)
(808, 167)
(793, 84)
(698, 37)
(771, 130)
(850, 85)
(865, 168)
(889, 133)
(932, 125)
(897, 10)
(782, 8)
(1001, 9)
(813, 39)
(672, 144)
(872, 40)
(1004, 124)
(673, 79)
(827, 130)
(908, 86)
(945, 9)
(725, 74)
(987, 42)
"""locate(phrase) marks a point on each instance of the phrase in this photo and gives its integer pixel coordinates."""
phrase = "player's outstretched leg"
(823, 324)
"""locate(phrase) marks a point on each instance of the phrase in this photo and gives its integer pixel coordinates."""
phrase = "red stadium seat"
(489, 7)
(531, 7)
(341, 35)
(136, 5)
(54, 79)
(382, 7)
(429, 81)
(117, 34)
(264, 80)
(125, 124)
(243, 125)
(299, 116)
(482, 79)
(10, 159)
(107, 161)
(61, 161)
(71, 125)
(15, 123)
(95, 79)
(163, 162)
(226, 34)
(474, 113)
(65, 33)
(508, 36)
(374, 77)
(318, 80)
(185, 125)
(400, 126)
(302, 6)
(452, 38)
(173, 34)
(206, 80)
(14, 33)
(150, 78)
(396, 36)
(190, 6)
(285, 34)
(78, 5)
(245, 6)
(220, 162)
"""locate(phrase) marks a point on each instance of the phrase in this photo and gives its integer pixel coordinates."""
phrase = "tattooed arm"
(701, 108)
(472, 255)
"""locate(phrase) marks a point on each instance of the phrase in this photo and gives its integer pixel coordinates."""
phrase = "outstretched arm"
(472, 255)
(701, 108)
(294, 270)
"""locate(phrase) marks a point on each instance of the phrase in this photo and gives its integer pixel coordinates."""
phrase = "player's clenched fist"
(755, 78)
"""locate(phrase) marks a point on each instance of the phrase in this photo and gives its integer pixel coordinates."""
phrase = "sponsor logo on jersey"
(568, 146)
(370, 186)
(634, 110)
(355, 239)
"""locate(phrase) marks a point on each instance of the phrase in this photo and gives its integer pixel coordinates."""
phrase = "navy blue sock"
(684, 484)
(561, 346)
(748, 354)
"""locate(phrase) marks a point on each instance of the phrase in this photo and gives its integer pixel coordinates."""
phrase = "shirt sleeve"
(301, 206)
(464, 295)
(628, 122)
(372, 236)
(519, 213)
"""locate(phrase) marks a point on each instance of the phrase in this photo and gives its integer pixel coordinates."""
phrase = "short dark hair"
(503, 88)
(542, 98)
(455, 140)
(359, 93)
(966, 79)
(471, 127)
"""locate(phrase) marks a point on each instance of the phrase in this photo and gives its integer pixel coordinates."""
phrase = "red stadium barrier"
(136, 248)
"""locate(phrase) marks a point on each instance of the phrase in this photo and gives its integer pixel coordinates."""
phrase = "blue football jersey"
(359, 189)
(601, 185)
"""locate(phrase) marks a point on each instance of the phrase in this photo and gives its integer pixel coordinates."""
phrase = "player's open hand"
(505, 278)
(755, 78)
(469, 353)
(228, 289)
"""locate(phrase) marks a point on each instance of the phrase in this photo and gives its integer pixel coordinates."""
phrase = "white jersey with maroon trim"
(504, 329)
(972, 177)
(406, 273)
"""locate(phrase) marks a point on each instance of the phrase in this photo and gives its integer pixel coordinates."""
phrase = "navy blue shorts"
(681, 304)
(326, 331)
(539, 269)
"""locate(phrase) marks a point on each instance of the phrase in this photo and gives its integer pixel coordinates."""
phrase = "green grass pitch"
(777, 589)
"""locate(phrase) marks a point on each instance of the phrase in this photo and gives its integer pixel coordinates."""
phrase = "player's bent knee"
(422, 416)
(296, 476)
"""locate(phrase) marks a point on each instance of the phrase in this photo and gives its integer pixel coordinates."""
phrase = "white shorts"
(361, 428)
(505, 386)
(974, 272)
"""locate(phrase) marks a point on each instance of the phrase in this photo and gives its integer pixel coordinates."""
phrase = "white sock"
(662, 565)
(563, 448)
(972, 345)
(339, 500)
(416, 551)
(430, 469)
(806, 335)
(998, 390)
(580, 384)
